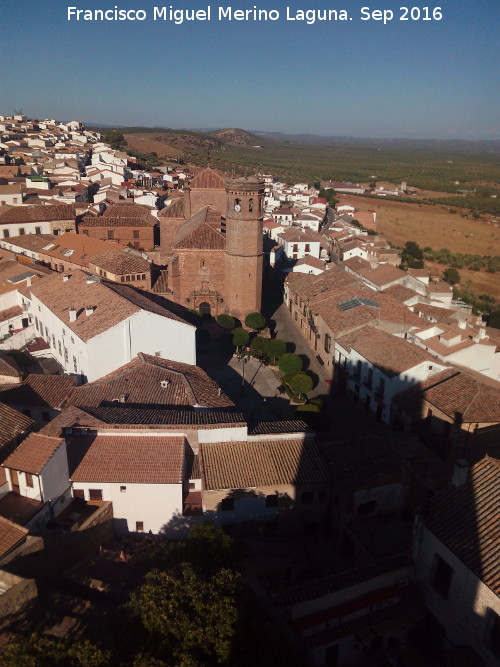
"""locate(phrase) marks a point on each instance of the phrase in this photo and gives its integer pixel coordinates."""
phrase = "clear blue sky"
(421, 79)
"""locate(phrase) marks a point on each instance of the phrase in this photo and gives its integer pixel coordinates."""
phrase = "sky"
(360, 78)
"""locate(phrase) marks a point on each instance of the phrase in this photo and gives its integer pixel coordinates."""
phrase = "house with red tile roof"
(143, 475)
(456, 548)
(94, 326)
(376, 367)
(38, 479)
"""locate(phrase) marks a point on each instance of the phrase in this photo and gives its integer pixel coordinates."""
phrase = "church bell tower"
(244, 246)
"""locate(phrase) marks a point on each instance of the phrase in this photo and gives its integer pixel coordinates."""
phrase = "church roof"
(199, 233)
(175, 210)
(209, 179)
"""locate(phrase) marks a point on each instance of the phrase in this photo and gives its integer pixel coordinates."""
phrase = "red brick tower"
(245, 199)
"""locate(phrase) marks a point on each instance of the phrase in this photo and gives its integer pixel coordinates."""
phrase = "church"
(211, 237)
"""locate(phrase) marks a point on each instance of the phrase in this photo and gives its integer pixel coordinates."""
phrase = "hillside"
(237, 137)
(171, 144)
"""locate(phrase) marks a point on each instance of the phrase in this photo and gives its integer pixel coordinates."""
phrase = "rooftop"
(33, 453)
(466, 519)
(240, 465)
(137, 459)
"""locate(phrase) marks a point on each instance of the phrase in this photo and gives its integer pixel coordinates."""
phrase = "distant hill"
(237, 137)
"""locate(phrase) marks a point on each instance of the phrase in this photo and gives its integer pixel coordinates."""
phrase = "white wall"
(153, 504)
(464, 613)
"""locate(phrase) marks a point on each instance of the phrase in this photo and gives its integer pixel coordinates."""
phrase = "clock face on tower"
(237, 208)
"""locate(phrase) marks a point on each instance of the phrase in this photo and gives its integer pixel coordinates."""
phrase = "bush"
(451, 276)
(290, 363)
(255, 321)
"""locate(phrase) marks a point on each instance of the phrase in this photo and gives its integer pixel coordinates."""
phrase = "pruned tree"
(226, 322)
(255, 321)
(275, 348)
(240, 337)
(290, 363)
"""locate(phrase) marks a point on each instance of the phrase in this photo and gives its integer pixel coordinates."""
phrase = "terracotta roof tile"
(33, 453)
(108, 221)
(40, 391)
(112, 302)
(121, 262)
(239, 465)
(8, 365)
(476, 399)
(147, 459)
(39, 213)
(152, 381)
(198, 233)
(210, 179)
(467, 521)
(13, 424)
(392, 355)
(11, 534)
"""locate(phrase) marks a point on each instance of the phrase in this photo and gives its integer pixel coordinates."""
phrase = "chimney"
(89, 310)
(460, 473)
(462, 324)
(72, 314)
(66, 277)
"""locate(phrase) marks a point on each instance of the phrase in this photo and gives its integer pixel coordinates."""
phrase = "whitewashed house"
(95, 326)
(378, 366)
(456, 548)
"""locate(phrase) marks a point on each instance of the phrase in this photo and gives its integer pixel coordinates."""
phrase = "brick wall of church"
(205, 197)
(168, 230)
(198, 269)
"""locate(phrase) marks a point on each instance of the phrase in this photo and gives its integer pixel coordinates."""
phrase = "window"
(135, 233)
(227, 504)
(95, 494)
(381, 388)
(38, 230)
(111, 234)
(22, 231)
(328, 342)
(369, 378)
(139, 526)
(272, 500)
(441, 576)
(192, 485)
(250, 205)
(144, 276)
(29, 480)
(75, 367)
(6, 233)
(123, 489)
(357, 372)
(307, 248)
(79, 494)
(59, 347)
(307, 497)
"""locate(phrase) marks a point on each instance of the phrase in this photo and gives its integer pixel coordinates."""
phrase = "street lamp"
(245, 360)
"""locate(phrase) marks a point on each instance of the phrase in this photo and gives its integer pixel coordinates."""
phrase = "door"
(15, 481)
(205, 309)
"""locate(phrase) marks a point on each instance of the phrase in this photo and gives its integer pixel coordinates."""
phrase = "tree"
(115, 139)
(413, 250)
(226, 321)
(240, 337)
(258, 345)
(189, 620)
(255, 321)
(37, 651)
(290, 363)
(301, 383)
(451, 275)
(275, 348)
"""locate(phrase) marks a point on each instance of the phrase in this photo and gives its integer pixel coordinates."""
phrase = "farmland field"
(431, 226)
